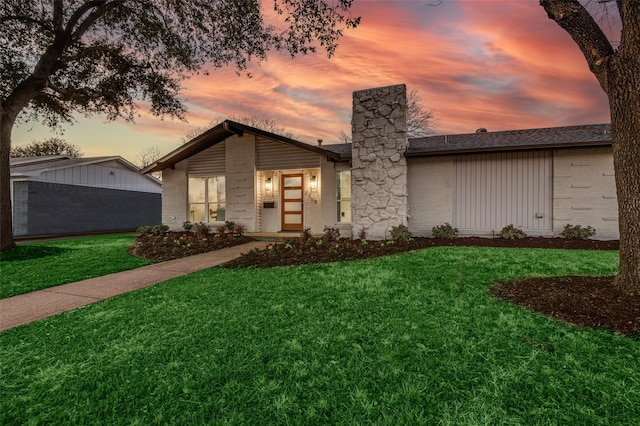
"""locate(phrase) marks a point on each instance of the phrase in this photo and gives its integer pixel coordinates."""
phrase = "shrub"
(187, 226)
(331, 234)
(153, 230)
(362, 235)
(444, 231)
(306, 234)
(199, 229)
(230, 228)
(400, 233)
(577, 232)
(510, 232)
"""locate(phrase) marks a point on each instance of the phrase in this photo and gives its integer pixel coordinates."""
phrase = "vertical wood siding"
(495, 190)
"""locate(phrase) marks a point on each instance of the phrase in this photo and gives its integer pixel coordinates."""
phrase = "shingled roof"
(512, 140)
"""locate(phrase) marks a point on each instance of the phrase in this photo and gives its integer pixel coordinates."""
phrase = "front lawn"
(34, 266)
(407, 339)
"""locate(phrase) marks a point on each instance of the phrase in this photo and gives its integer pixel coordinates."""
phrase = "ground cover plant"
(159, 244)
(37, 265)
(413, 338)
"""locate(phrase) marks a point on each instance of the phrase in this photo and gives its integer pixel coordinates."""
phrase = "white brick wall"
(430, 188)
(240, 157)
(174, 196)
(585, 191)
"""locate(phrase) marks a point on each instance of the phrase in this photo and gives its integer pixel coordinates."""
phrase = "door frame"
(283, 201)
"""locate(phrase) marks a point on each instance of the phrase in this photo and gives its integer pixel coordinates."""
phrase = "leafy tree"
(51, 146)
(618, 72)
(60, 57)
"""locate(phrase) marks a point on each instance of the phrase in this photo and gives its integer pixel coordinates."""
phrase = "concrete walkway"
(27, 308)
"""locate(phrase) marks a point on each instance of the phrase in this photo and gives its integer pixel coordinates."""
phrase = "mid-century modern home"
(54, 195)
(538, 180)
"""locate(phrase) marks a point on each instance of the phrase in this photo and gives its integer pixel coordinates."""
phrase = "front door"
(291, 202)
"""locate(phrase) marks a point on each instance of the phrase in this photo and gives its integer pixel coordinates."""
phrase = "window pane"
(344, 211)
(293, 181)
(216, 212)
(217, 189)
(344, 196)
(293, 206)
(196, 212)
(196, 190)
(293, 194)
(291, 219)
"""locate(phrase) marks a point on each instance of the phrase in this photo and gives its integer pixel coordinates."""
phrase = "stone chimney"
(379, 167)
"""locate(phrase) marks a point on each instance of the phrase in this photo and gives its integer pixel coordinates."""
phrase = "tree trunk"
(6, 215)
(624, 101)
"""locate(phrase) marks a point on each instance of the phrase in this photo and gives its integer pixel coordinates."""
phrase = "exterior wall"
(585, 191)
(430, 189)
(240, 159)
(108, 175)
(174, 196)
(43, 208)
(330, 196)
(379, 174)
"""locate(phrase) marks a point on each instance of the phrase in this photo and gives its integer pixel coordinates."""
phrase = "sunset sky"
(498, 64)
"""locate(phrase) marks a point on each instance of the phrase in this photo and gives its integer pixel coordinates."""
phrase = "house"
(54, 195)
(537, 179)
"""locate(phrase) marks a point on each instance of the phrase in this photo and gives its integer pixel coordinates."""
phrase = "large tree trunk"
(624, 101)
(6, 216)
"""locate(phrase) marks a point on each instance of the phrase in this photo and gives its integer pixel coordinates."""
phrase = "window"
(344, 196)
(207, 200)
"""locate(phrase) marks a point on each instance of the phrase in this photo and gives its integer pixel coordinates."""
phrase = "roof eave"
(422, 153)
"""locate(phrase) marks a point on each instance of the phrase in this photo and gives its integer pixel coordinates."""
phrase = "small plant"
(306, 234)
(199, 229)
(153, 230)
(230, 228)
(331, 234)
(444, 231)
(400, 233)
(510, 232)
(362, 235)
(577, 232)
(187, 226)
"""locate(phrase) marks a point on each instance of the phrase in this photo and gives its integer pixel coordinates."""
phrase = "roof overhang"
(512, 148)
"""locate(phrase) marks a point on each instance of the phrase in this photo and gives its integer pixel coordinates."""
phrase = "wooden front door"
(292, 217)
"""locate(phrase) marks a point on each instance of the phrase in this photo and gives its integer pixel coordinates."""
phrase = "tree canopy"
(51, 146)
(59, 58)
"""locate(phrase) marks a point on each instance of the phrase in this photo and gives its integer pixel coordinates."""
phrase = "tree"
(618, 72)
(420, 120)
(101, 56)
(259, 122)
(147, 156)
(51, 146)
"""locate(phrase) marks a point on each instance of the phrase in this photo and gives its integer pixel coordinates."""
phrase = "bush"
(200, 229)
(362, 235)
(230, 228)
(400, 233)
(444, 231)
(510, 232)
(331, 234)
(577, 232)
(187, 226)
(153, 230)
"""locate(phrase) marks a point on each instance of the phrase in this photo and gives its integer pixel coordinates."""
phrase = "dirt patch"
(591, 302)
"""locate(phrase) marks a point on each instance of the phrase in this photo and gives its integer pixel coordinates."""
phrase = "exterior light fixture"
(268, 185)
(314, 183)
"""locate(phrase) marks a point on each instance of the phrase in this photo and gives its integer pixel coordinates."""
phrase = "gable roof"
(219, 133)
(512, 140)
(34, 166)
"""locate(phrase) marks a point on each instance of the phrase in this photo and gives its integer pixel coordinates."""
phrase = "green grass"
(34, 266)
(408, 339)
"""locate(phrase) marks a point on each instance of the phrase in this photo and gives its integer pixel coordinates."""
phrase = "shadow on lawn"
(30, 252)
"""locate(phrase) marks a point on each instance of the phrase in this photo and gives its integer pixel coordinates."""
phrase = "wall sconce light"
(313, 184)
(268, 185)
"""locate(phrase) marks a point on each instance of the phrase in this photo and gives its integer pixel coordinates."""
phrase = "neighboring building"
(54, 195)
(538, 179)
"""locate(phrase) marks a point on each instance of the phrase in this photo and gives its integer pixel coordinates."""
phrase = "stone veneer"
(379, 167)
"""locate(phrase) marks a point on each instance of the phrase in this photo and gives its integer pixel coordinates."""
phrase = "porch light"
(268, 186)
(314, 183)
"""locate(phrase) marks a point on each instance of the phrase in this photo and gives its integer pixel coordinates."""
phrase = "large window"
(344, 196)
(207, 201)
